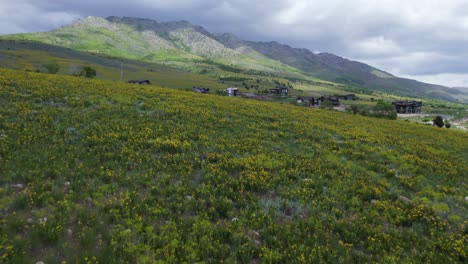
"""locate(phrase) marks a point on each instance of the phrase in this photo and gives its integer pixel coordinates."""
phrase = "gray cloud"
(424, 39)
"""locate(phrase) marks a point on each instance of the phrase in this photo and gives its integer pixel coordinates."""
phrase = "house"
(280, 90)
(232, 91)
(333, 99)
(407, 107)
(306, 101)
(139, 81)
(199, 89)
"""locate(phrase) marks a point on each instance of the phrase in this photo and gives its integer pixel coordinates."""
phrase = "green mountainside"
(337, 69)
(184, 45)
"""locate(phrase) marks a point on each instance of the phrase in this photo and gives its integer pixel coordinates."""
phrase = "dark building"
(280, 90)
(407, 107)
(198, 89)
(139, 81)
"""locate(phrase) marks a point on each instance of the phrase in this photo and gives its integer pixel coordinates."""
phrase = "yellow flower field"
(106, 172)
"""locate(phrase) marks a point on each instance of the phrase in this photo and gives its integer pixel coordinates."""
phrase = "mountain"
(337, 69)
(178, 43)
(185, 45)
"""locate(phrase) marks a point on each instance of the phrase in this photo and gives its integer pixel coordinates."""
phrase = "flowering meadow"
(106, 172)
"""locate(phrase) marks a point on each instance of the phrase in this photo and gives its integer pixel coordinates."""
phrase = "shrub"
(51, 67)
(438, 121)
(87, 71)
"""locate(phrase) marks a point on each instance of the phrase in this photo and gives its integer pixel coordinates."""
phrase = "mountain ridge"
(181, 42)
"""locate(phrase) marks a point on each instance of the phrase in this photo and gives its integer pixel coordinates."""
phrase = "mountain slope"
(184, 45)
(176, 42)
(337, 69)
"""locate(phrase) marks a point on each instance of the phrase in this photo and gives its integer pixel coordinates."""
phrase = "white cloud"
(446, 79)
(377, 46)
(21, 16)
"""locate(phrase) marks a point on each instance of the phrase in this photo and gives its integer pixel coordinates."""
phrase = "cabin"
(335, 100)
(139, 81)
(232, 91)
(280, 90)
(306, 101)
(199, 89)
(407, 107)
(317, 102)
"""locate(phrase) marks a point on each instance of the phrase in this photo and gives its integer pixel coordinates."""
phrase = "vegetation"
(87, 71)
(380, 110)
(438, 121)
(51, 67)
(104, 172)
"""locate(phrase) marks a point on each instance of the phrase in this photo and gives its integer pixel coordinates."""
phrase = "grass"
(101, 171)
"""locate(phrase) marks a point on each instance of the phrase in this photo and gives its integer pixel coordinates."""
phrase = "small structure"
(306, 101)
(312, 102)
(232, 91)
(335, 100)
(139, 81)
(199, 89)
(347, 97)
(280, 90)
(407, 107)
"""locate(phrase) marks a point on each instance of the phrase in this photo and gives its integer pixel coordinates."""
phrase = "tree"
(51, 67)
(326, 104)
(447, 124)
(87, 71)
(438, 121)
(354, 108)
(384, 110)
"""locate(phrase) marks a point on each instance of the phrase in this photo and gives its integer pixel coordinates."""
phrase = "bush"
(438, 121)
(86, 71)
(326, 104)
(51, 67)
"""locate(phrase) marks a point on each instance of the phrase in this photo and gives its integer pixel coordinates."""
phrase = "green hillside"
(190, 47)
(30, 56)
(105, 172)
(179, 43)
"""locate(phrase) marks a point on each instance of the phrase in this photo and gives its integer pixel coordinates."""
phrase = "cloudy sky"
(425, 40)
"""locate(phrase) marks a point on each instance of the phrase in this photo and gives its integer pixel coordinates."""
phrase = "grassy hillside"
(100, 171)
(186, 46)
(177, 42)
(26, 55)
(30, 56)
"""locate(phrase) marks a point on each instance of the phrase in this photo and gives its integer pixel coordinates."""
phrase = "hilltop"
(184, 45)
(108, 172)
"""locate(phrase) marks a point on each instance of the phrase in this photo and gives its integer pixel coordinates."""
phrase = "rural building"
(333, 99)
(232, 91)
(139, 81)
(280, 90)
(407, 107)
(199, 89)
